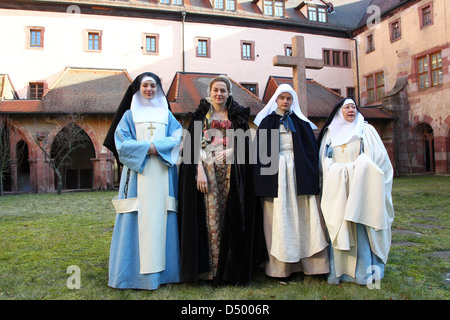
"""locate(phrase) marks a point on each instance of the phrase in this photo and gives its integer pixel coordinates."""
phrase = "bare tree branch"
(58, 150)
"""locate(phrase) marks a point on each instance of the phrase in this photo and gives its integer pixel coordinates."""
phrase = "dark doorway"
(426, 158)
(23, 167)
(78, 172)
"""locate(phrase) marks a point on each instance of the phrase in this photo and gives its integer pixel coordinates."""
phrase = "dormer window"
(316, 10)
(173, 2)
(227, 5)
(274, 8)
(317, 13)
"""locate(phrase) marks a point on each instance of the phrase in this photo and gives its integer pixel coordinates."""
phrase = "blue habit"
(124, 261)
(367, 260)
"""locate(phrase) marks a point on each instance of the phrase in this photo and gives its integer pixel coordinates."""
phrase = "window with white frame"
(218, 4)
(317, 13)
(173, 2)
(274, 8)
(227, 5)
(279, 8)
(322, 14)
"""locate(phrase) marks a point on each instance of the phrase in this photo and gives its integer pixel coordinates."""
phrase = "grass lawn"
(41, 235)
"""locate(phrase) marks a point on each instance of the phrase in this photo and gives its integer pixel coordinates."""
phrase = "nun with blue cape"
(356, 196)
(145, 138)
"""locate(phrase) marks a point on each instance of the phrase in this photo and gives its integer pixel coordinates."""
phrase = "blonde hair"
(223, 79)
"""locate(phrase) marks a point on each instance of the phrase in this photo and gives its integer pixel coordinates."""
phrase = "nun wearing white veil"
(145, 137)
(356, 199)
(293, 226)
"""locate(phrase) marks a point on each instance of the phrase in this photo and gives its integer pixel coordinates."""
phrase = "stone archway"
(78, 172)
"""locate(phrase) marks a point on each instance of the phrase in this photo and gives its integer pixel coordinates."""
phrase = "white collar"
(150, 110)
(271, 106)
(342, 131)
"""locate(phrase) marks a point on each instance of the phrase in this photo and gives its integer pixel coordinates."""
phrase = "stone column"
(14, 182)
(440, 154)
(103, 171)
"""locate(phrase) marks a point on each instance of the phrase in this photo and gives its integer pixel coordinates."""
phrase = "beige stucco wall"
(121, 49)
(429, 106)
(398, 59)
(64, 46)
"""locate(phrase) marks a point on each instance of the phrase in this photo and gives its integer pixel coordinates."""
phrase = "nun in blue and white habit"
(145, 137)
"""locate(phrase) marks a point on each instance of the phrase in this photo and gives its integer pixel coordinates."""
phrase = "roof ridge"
(246, 90)
(55, 82)
(312, 80)
(177, 86)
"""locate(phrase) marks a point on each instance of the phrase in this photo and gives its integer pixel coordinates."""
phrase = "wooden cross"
(151, 128)
(299, 63)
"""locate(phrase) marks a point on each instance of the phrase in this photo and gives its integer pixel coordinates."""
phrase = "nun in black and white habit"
(145, 137)
(293, 226)
(356, 196)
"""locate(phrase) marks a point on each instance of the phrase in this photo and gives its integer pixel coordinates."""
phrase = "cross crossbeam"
(299, 63)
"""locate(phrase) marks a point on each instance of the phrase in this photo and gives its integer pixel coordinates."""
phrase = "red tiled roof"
(87, 90)
(188, 89)
(80, 90)
(321, 99)
(77, 90)
(19, 106)
(377, 112)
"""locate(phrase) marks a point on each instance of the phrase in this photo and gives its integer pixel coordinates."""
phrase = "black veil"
(124, 106)
(331, 117)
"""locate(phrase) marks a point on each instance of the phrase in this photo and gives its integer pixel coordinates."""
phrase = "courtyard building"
(68, 64)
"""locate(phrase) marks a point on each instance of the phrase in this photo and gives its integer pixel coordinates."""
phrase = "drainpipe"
(357, 68)
(183, 13)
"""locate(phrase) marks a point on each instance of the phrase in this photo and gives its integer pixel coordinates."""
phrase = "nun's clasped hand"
(152, 150)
